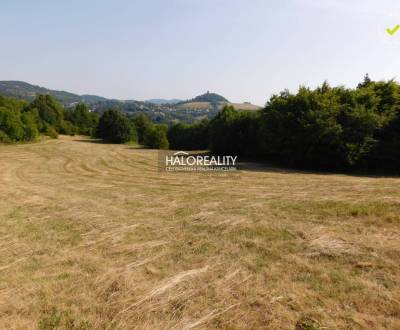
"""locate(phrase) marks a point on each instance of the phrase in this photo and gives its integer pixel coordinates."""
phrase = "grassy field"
(195, 105)
(92, 236)
(245, 106)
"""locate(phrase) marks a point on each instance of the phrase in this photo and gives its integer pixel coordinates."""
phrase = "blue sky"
(245, 50)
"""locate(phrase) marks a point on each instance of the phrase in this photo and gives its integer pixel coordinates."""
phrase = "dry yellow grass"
(207, 105)
(92, 236)
(245, 106)
(195, 105)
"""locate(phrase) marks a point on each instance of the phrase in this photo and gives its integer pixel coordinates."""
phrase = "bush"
(156, 137)
(235, 133)
(222, 134)
(4, 137)
(189, 137)
(68, 128)
(49, 111)
(48, 116)
(51, 131)
(84, 121)
(31, 131)
(142, 124)
(115, 127)
(150, 135)
(11, 125)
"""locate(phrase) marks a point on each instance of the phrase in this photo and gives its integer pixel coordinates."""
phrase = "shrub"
(234, 132)
(49, 111)
(31, 131)
(142, 124)
(189, 137)
(11, 125)
(51, 131)
(68, 128)
(82, 119)
(4, 137)
(115, 127)
(156, 137)
(222, 135)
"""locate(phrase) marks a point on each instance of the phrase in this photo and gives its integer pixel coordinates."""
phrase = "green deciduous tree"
(31, 131)
(84, 120)
(189, 137)
(324, 128)
(49, 112)
(11, 124)
(142, 124)
(115, 127)
(156, 137)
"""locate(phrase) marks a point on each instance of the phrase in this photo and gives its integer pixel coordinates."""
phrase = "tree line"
(21, 121)
(114, 126)
(326, 127)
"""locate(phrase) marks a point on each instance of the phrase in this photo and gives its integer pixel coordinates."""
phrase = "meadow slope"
(92, 236)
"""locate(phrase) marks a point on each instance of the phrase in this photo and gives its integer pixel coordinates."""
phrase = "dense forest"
(326, 127)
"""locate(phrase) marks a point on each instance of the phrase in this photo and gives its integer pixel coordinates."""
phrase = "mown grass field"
(92, 236)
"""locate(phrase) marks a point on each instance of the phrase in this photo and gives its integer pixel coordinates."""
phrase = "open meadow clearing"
(93, 236)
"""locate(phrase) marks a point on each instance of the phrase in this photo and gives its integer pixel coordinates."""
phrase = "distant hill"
(196, 105)
(87, 98)
(212, 101)
(23, 90)
(163, 101)
(160, 110)
(209, 97)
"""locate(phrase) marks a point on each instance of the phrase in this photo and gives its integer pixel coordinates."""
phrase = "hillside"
(245, 106)
(209, 97)
(208, 106)
(212, 101)
(92, 236)
(163, 101)
(195, 105)
(23, 90)
(160, 110)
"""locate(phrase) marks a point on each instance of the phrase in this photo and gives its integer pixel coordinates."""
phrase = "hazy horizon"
(243, 50)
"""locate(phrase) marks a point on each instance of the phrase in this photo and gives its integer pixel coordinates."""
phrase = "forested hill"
(209, 97)
(200, 107)
(26, 91)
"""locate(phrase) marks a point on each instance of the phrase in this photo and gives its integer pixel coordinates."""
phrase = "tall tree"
(115, 127)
